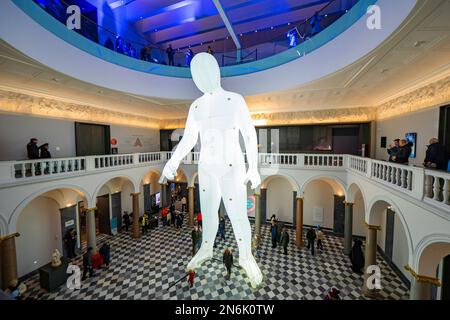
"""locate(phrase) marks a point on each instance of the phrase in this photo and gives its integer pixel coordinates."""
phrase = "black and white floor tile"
(154, 267)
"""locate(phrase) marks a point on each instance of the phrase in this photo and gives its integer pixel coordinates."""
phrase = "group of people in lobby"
(436, 157)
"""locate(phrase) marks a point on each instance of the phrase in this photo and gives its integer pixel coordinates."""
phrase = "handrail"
(181, 59)
(431, 186)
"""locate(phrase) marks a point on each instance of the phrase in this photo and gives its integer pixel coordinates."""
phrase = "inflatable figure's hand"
(254, 178)
(169, 172)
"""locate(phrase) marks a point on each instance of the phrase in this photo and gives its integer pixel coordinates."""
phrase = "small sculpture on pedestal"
(56, 258)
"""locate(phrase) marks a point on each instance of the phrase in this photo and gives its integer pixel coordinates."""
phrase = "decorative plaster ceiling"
(416, 55)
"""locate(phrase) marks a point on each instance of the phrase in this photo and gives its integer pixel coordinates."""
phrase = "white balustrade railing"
(437, 187)
(322, 160)
(46, 167)
(430, 185)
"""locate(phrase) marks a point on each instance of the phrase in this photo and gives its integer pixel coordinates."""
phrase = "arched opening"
(278, 197)
(393, 236)
(177, 188)
(43, 223)
(324, 204)
(112, 200)
(355, 196)
(150, 190)
(434, 262)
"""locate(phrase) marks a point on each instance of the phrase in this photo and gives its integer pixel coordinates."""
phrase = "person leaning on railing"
(437, 156)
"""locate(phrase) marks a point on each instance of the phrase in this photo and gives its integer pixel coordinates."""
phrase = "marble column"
(8, 260)
(348, 227)
(191, 205)
(91, 229)
(421, 286)
(257, 214)
(136, 228)
(370, 257)
(299, 223)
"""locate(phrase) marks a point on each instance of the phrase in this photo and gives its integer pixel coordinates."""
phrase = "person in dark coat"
(285, 240)
(105, 253)
(44, 153)
(126, 220)
(273, 233)
(87, 264)
(279, 227)
(228, 262)
(333, 294)
(109, 44)
(173, 216)
(195, 237)
(222, 228)
(32, 149)
(311, 237)
(403, 152)
(437, 156)
(357, 257)
(170, 55)
(393, 150)
(71, 241)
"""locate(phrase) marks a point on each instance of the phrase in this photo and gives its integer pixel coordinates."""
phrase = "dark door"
(445, 290)
(104, 223)
(147, 198)
(116, 209)
(389, 240)
(92, 139)
(339, 214)
(346, 140)
(68, 221)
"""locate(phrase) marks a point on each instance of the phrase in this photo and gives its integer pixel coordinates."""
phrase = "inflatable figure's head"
(205, 72)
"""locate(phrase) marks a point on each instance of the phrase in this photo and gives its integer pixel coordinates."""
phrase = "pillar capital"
(299, 197)
(90, 209)
(135, 193)
(9, 236)
(420, 278)
(348, 203)
(257, 194)
(191, 187)
(372, 227)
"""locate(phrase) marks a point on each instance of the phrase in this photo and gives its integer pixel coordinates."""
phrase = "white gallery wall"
(425, 124)
(359, 226)
(39, 226)
(280, 200)
(318, 196)
(16, 131)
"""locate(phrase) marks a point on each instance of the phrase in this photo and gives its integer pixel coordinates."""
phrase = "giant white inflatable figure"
(218, 116)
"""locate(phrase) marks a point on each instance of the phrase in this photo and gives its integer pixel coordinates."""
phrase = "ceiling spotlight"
(418, 43)
(55, 79)
(289, 23)
(241, 34)
(140, 17)
(156, 30)
(326, 15)
(271, 28)
(256, 30)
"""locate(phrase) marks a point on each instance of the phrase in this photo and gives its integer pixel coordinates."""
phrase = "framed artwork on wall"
(412, 137)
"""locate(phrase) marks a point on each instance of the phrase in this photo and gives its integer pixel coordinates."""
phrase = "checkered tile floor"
(148, 268)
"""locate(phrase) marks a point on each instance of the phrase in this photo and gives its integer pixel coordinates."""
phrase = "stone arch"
(191, 180)
(150, 173)
(327, 179)
(18, 210)
(266, 179)
(384, 201)
(3, 226)
(353, 190)
(432, 248)
(106, 180)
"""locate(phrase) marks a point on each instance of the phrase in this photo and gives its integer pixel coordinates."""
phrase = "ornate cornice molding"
(19, 103)
(429, 96)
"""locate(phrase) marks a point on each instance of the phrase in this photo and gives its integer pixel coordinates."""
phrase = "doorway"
(92, 139)
(102, 218)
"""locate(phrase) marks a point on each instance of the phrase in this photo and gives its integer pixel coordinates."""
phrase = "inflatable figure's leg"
(209, 206)
(234, 194)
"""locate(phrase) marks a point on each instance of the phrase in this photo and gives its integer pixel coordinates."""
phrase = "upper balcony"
(37, 32)
(429, 186)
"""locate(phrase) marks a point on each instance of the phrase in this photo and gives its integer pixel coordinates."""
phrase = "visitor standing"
(228, 262)
(191, 277)
(170, 55)
(71, 240)
(32, 149)
(320, 236)
(436, 156)
(273, 233)
(126, 220)
(357, 257)
(87, 264)
(393, 150)
(222, 228)
(311, 237)
(199, 218)
(195, 236)
(285, 240)
(104, 251)
(183, 204)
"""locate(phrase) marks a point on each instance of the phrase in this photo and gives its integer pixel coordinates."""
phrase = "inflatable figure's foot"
(252, 270)
(203, 254)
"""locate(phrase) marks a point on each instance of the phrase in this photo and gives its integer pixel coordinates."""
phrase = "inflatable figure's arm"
(186, 144)
(251, 144)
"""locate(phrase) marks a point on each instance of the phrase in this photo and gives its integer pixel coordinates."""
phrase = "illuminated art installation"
(218, 116)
